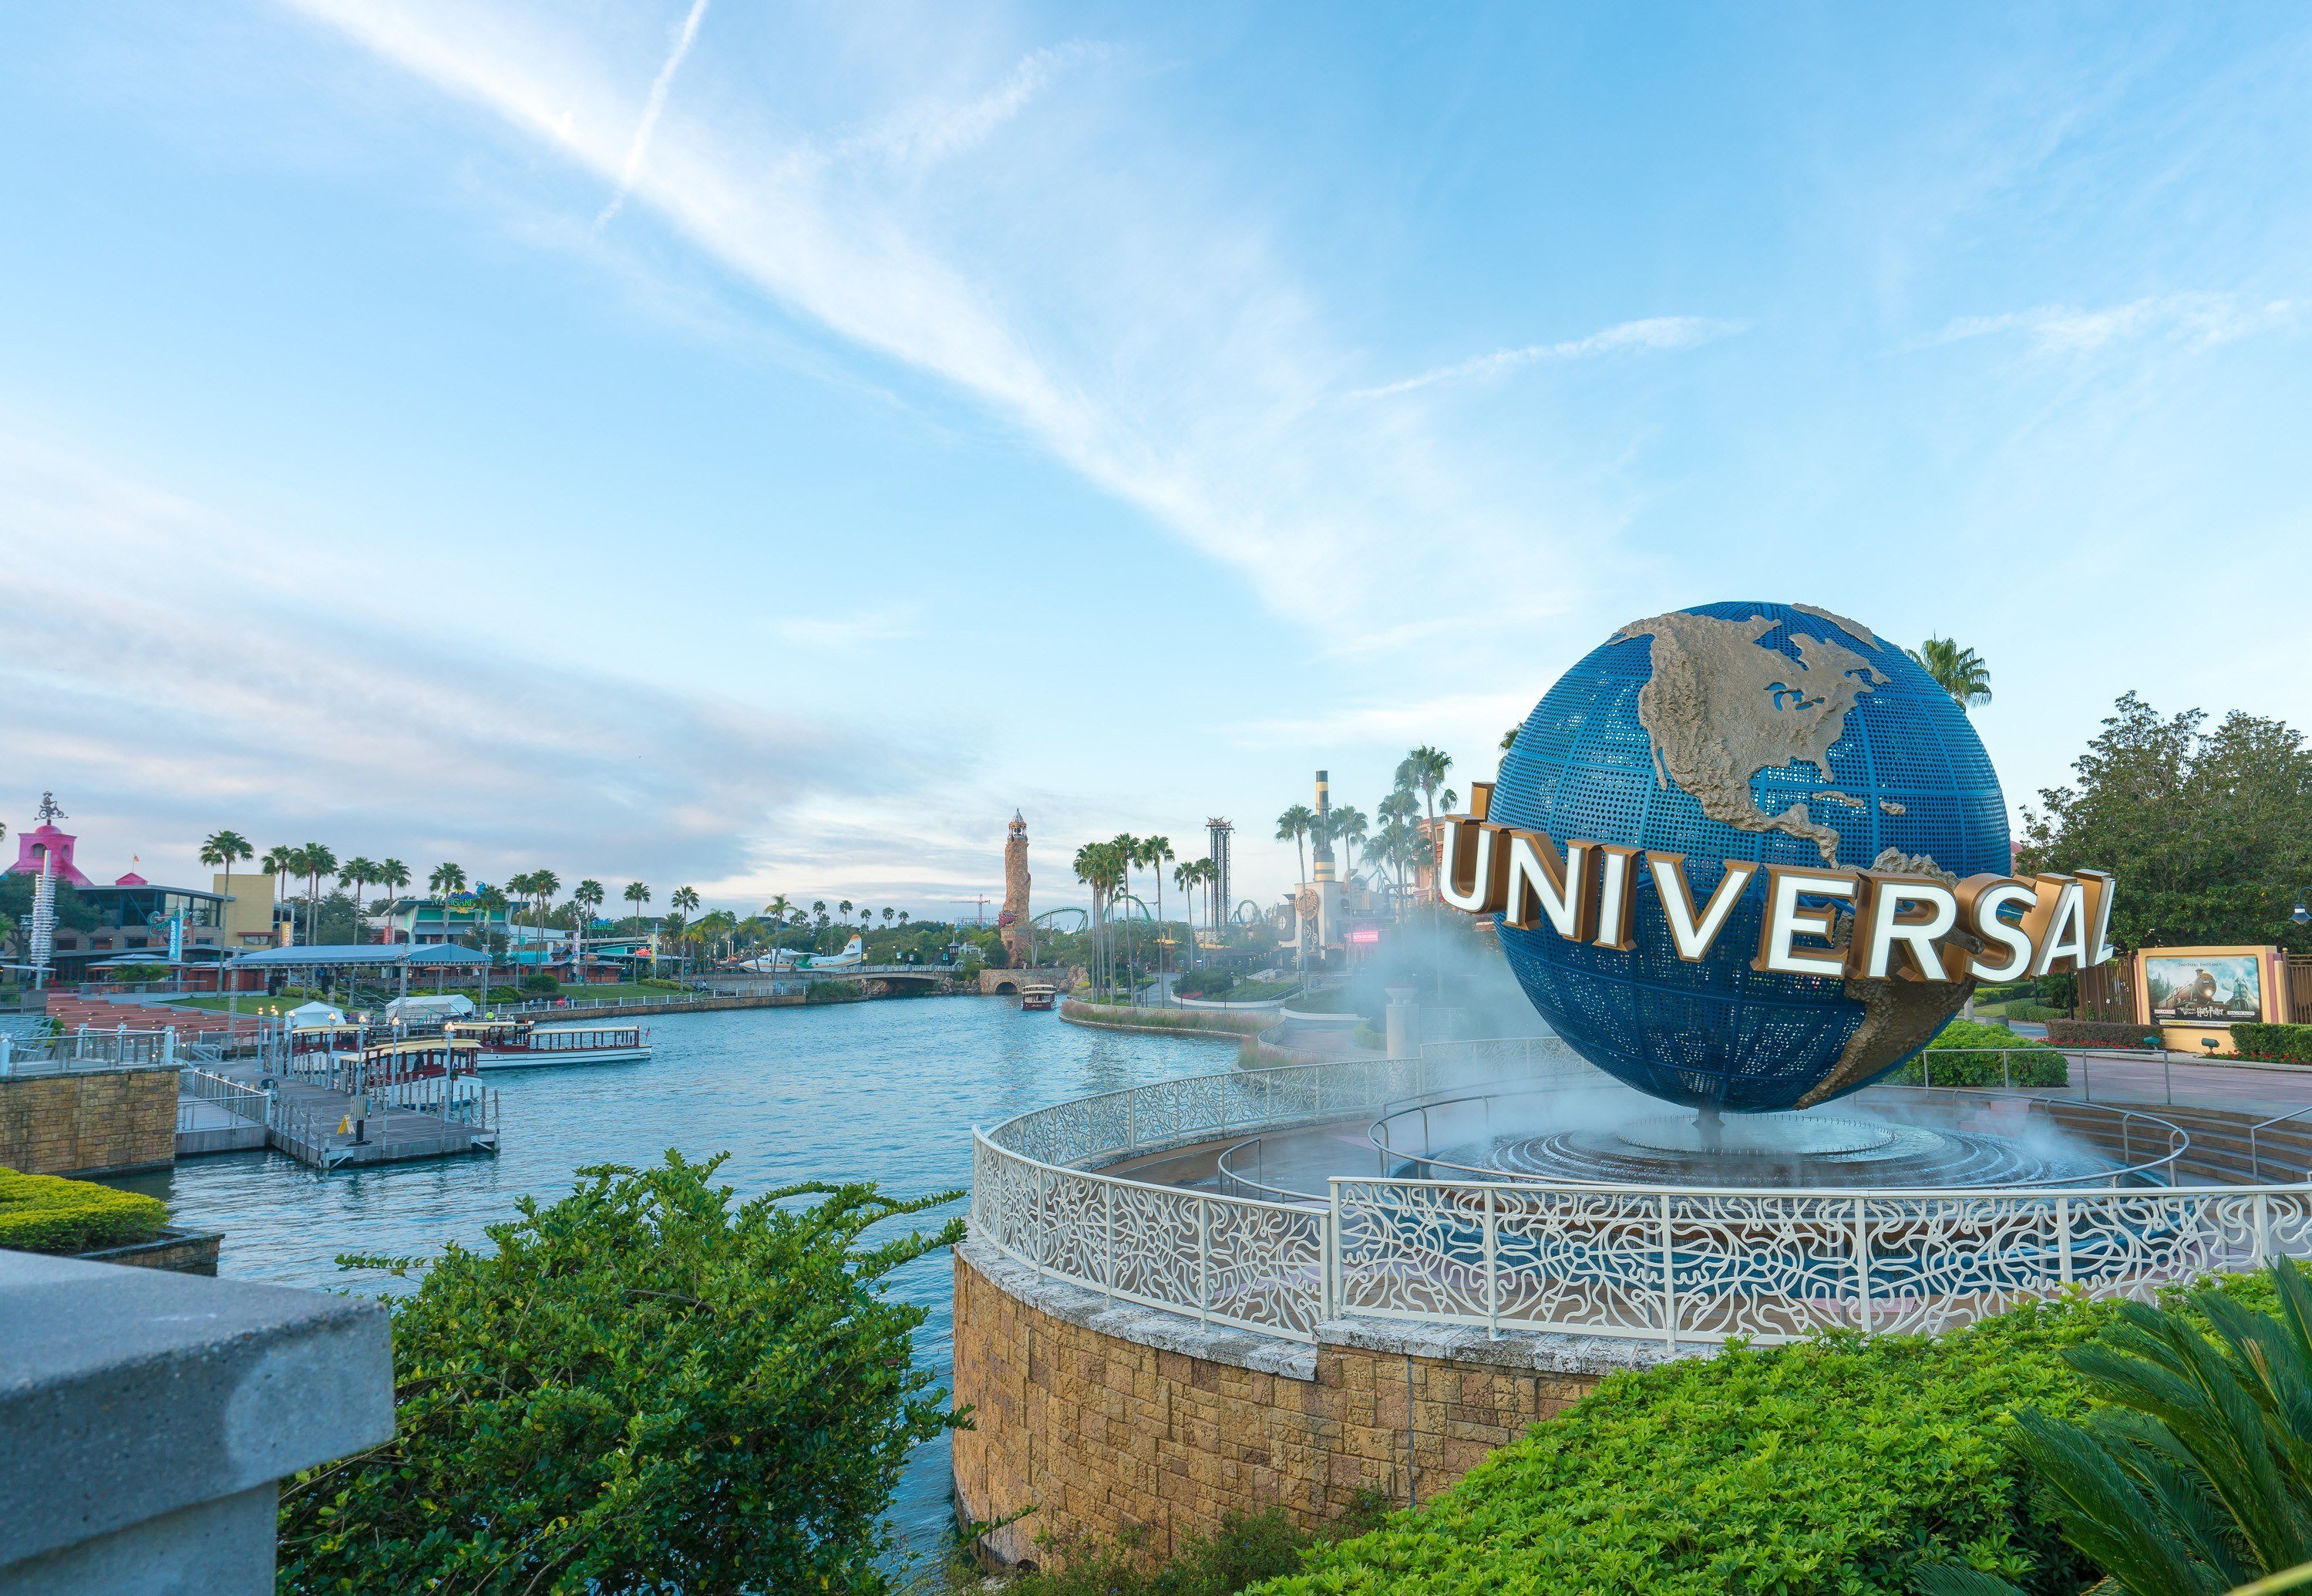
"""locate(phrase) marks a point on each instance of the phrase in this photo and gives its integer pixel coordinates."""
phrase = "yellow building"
(248, 909)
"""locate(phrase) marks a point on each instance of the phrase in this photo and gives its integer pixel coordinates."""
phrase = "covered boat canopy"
(365, 956)
(447, 1006)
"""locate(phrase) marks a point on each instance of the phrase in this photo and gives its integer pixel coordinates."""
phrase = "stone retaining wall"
(1106, 1415)
(89, 1122)
(189, 1252)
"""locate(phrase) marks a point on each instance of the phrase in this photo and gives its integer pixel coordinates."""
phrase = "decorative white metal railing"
(1232, 1260)
(1631, 1263)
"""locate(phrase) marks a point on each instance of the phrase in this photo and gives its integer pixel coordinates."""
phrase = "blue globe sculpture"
(1773, 733)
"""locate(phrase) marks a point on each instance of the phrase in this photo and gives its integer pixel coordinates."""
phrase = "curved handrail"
(1641, 1263)
(2179, 1142)
(2255, 1154)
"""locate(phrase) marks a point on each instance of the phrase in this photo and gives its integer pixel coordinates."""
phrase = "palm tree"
(1294, 826)
(1092, 870)
(277, 862)
(887, 918)
(637, 894)
(314, 861)
(1958, 671)
(488, 904)
(225, 847)
(781, 910)
(393, 874)
(1187, 875)
(682, 901)
(587, 897)
(1424, 769)
(544, 884)
(444, 879)
(1349, 825)
(1124, 850)
(1152, 854)
(358, 872)
(523, 887)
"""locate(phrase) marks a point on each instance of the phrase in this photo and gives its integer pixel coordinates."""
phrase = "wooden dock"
(316, 1123)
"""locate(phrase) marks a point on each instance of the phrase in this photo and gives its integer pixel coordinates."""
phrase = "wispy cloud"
(931, 130)
(2198, 321)
(652, 106)
(1653, 332)
(161, 697)
(1089, 289)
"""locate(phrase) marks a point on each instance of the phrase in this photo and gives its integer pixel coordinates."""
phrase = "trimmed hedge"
(1832, 1468)
(2275, 1044)
(2098, 1033)
(50, 1214)
(1146, 1019)
(1967, 1053)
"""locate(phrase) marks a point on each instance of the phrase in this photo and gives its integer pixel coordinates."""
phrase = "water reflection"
(883, 1091)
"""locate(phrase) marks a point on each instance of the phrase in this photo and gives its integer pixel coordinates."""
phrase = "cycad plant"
(2196, 1479)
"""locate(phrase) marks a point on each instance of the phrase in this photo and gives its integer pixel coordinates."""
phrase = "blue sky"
(760, 446)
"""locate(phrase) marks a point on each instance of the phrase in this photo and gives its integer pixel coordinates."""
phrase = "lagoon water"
(885, 1092)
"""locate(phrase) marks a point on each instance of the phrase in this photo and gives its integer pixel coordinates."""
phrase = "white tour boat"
(526, 1044)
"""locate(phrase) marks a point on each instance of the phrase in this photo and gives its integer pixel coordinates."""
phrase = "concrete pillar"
(150, 1415)
(1400, 1021)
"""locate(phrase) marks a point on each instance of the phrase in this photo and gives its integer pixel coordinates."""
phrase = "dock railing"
(236, 1097)
(86, 1047)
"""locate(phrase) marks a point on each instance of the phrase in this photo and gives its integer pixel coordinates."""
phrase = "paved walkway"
(2106, 1077)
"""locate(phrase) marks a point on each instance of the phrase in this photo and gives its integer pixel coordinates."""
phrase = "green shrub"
(638, 1388)
(662, 985)
(1155, 1019)
(539, 984)
(131, 975)
(829, 992)
(1372, 1037)
(1967, 1053)
(2277, 1044)
(1832, 1468)
(1262, 991)
(1212, 984)
(50, 1214)
(2099, 1033)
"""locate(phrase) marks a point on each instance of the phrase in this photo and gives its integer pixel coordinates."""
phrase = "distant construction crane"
(983, 900)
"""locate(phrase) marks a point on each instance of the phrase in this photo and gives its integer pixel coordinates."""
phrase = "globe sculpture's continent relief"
(1783, 735)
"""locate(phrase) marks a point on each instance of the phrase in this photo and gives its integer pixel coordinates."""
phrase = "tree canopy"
(2210, 832)
(643, 1388)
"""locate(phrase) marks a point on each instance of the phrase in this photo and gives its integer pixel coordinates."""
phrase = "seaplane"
(779, 960)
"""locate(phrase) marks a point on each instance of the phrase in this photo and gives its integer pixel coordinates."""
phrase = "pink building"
(35, 845)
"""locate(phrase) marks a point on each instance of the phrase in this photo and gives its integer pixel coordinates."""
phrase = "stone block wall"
(1105, 1416)
(89, 1123)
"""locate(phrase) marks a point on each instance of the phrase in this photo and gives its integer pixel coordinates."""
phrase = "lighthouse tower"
(1017, 931)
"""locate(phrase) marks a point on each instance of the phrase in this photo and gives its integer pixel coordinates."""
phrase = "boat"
(1037, 996)
(525, 1044)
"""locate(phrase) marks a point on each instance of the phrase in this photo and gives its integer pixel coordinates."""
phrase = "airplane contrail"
(651, 108)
